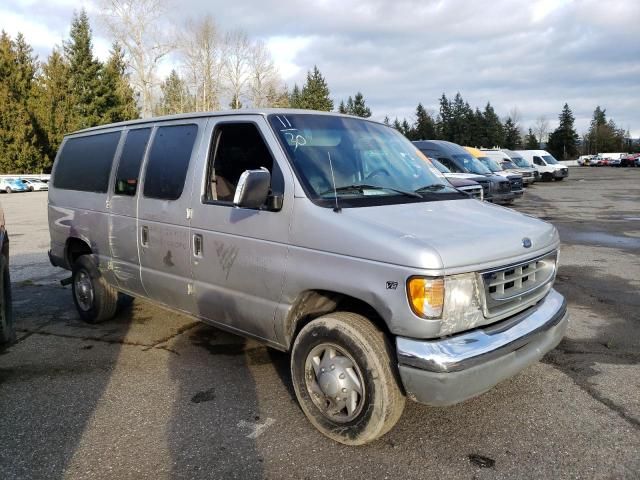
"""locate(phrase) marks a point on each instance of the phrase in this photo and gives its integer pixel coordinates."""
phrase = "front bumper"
(502, 197)
(453, 369)
(561, 173)
(528, 180)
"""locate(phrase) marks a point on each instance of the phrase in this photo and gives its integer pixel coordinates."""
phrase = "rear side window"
(129, 167)
(168, 161)
(85, 163)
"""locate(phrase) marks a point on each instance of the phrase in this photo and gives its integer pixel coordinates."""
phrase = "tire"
(8, 190)
(547, 177)
(357, 342)
(7, 325)
(96, 300)
(559, 179)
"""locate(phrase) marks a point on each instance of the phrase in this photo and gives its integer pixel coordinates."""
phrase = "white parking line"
(257, 428)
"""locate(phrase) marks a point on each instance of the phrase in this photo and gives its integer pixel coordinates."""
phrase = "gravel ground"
(153, 394)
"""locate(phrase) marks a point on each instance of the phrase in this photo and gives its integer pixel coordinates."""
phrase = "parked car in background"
(34, 185)
(12, 184)
(520, 161)
(528, 173)
(7, 327)
(324, 235)
(462, 181)
(629, 160)
(496, 188)
(517, 185)
(549, 168)
(585, 160)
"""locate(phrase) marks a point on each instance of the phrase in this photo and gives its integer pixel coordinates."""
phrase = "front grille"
(504, 187)
(527, 174)
(509, 287)
(516, 184)
(485, 186)
(474, 191)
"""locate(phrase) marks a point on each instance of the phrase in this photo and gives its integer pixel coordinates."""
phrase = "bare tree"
(136, 24)
(541, 129)
(515, 116)
(264, 78)
(201, 50)
(236, 61)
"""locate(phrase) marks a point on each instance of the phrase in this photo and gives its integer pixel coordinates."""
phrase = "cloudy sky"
(532, 55)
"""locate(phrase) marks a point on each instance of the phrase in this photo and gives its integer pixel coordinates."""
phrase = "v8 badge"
(392, 285)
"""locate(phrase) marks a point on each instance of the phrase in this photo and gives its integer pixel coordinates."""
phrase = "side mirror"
(252, 188)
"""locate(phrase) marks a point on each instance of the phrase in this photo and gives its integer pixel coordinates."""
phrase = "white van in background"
(528, 173)
(549, 167)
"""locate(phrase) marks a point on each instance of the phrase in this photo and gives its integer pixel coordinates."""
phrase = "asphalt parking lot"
(153, 394)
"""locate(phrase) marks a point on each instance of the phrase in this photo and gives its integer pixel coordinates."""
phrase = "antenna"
(335, 191)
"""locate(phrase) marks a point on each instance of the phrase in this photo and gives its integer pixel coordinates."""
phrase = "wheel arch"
(74, 248)
(312, 304)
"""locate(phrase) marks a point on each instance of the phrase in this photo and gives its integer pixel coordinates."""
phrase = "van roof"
(180, 116)
(441, 146)
(475, 152)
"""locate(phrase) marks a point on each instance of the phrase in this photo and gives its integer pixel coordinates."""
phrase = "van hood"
(452, 236)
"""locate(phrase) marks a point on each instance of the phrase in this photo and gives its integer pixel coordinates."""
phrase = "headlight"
(455, 299)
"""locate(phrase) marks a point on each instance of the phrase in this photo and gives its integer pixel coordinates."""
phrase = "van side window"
(130, 160)
(237, 147)
(538, 161)
(169, 161)
(84, 163)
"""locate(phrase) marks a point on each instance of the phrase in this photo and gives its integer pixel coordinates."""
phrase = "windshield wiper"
(431, 188)
(360, 187)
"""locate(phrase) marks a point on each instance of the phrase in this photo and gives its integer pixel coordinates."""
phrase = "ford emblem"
(526, 242)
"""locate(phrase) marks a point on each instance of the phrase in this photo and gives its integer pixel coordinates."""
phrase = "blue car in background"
(10, 185)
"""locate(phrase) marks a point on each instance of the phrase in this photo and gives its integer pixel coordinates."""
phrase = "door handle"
(144, 236)
(197, 245)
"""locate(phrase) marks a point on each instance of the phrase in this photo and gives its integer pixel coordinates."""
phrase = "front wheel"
(96, 300)
(343, 373)
(8, 190)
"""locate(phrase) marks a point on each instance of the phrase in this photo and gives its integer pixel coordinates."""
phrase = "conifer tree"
(175, 96)
(20, 143)
(424, 128)
(315, 92)
(493, 132)
(512, 138)
(355, 106)
(54, 105)
(294, 98)
(85, 72)
(120, 102)
(530, 141)
(563, 141)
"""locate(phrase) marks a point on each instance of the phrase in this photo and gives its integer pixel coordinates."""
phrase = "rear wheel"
(95, 299)
(344, 377)
(7, 327)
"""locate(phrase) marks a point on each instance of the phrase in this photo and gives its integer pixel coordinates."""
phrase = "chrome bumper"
(453, 369)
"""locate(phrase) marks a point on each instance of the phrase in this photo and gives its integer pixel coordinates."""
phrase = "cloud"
(533, 55)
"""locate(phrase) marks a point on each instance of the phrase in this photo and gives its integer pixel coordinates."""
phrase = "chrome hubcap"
(334, 382)
(84, 290)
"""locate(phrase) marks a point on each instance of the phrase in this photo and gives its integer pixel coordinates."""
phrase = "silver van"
(320, 234)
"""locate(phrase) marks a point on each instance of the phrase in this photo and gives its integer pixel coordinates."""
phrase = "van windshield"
(439, 166)
(507, 164)
(360, 162)
(470, 164)
(490, 164)
(521, 162)
(550, 159)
